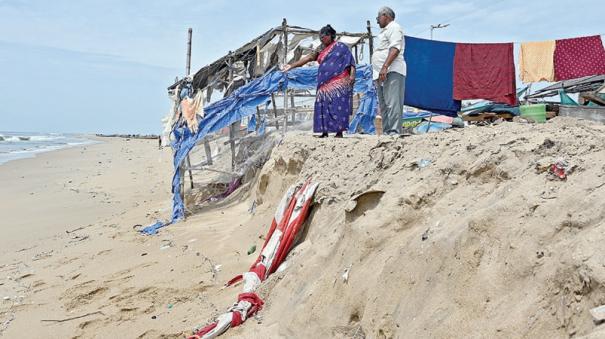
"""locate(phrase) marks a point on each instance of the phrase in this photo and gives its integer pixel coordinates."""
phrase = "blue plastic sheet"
(252, 124)
(243, 102)
(430, 127)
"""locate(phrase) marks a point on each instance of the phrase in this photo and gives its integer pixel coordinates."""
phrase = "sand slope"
(506, 251)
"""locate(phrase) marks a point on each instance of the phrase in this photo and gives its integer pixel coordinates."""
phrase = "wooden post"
(208, 151)
(188, 71)
(284, 26)
(188, 64)
(293, 107)
(370, 40)
(275, 111)
(232, 126)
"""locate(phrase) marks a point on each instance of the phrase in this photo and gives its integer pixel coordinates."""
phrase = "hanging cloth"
(536, 61)
(429, 80)
(579, 57)
(485, 71)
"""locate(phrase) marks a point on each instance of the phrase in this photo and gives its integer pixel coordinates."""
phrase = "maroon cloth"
(485, 71)
(579, 57)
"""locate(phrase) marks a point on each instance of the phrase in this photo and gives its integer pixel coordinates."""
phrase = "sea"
(19, 145)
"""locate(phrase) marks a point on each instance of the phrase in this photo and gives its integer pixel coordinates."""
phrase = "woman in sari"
(335, 80)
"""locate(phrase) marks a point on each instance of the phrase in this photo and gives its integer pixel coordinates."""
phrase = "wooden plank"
(486, 116)
(583, 112)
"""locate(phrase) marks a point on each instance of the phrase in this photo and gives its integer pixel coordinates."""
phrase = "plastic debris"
(252, 208)
(425, 235)
(166, 244)
(345, 274)
(422, 163)
(559, 169)
(598, 314)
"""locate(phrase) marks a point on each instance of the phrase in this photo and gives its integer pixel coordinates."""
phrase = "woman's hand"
(286, 67)
(352, 81)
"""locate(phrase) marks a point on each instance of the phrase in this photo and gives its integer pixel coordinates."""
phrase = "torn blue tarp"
(262, 127)
(430, 127)
(243, 102)
(429, 79)
(252, 124)
(363, 121)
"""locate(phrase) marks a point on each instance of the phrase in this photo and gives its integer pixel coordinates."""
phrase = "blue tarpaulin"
(429, 79)
(243, 102)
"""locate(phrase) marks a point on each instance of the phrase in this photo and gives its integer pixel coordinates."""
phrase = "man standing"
(389, 70)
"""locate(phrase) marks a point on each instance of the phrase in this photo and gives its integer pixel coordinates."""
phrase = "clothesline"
(514, 42)
(522, 42)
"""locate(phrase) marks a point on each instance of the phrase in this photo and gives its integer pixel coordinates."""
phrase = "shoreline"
(87, 139)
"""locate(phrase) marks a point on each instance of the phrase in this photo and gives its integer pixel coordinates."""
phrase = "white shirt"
(390, 36)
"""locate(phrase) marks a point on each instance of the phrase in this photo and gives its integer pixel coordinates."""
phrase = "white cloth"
(389, 36)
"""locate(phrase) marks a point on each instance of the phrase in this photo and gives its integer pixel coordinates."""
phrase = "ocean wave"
(31, 138)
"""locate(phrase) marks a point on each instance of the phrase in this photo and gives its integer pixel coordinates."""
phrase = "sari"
(334, 91)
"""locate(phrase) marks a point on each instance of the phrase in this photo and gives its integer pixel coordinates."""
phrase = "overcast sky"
(103, 66)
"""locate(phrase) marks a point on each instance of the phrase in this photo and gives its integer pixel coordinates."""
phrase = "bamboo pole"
(285, 61)
(370, 39)
(275, 111)
(232, 126)
(188, 64)
(293, 107)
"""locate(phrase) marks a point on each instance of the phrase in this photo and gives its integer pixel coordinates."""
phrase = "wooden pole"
(284, 26)
(187, 72)
(188, 64)
(275, 111)
(293, 107)
(370, 40)
(208, 151)
(232, 126)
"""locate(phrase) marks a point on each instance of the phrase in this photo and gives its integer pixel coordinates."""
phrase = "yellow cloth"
(190, 108)
(536, 61)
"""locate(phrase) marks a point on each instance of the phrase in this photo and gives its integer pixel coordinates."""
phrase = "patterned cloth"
(579, 57)
(334, 91)
(536, 61)
(485, 71)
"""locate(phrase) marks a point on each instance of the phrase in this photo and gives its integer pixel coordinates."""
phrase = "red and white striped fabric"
(291, 214)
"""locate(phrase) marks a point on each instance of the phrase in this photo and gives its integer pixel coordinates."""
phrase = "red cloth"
(579, 57)
(485, 71)
(254, 299)
(203, 331)
(236, 319)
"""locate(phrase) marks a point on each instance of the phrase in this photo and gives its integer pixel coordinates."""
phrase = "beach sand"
(69, 247)
(455, 234)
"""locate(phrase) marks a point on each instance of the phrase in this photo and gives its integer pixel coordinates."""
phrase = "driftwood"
(72, 318)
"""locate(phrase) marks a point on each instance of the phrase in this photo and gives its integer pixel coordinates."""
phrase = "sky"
(102, 66)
